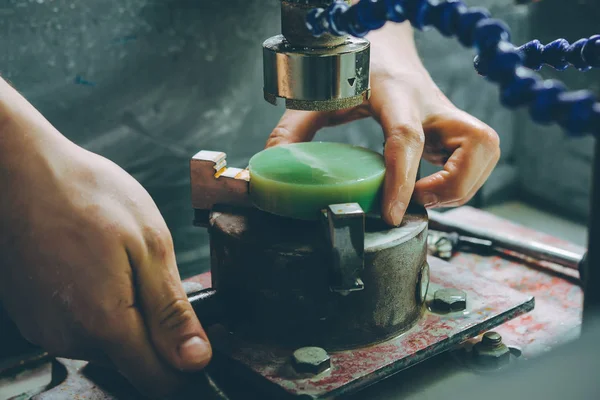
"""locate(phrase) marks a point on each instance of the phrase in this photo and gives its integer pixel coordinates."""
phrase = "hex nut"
(449, 300)
(311, 360)
(491, 352)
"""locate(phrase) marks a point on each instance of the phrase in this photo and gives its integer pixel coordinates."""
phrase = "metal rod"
(591, 302)
(530, 248)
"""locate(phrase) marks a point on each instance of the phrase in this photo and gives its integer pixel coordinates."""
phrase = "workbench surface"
(555, 321)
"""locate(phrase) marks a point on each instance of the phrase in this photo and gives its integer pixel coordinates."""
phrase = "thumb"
(297, 126)
(174, 328)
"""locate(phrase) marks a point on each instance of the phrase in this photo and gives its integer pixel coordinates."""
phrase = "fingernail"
(194, 352)
(429, 199)
(397, 212)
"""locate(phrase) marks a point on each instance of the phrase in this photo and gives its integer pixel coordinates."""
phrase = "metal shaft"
(591, 302)
(530, 248)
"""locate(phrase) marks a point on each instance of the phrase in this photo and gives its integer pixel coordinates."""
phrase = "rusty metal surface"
(489, 305)
(79, 380)
(273, 276)
(557, 315)
(503, 241)
(554, 321)
(76, 381)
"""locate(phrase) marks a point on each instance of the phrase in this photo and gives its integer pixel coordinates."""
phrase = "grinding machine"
(296, 302)
(312, 295)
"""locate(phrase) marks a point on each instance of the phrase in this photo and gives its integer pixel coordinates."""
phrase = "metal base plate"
(267, 367)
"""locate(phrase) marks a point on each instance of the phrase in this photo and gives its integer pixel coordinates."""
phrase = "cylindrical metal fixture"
(314, 73)
(591, 303)
(273, 278)
(321, 79)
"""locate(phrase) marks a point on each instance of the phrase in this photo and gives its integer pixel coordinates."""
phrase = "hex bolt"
(449, 300)
(311, 360)
(491, 352)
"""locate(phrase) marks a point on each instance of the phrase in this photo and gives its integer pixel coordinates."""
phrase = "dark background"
(148, 83)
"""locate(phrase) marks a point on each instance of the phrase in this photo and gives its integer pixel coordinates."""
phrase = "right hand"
(87, 266)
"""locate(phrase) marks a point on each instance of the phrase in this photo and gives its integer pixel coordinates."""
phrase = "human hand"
(417, 121)
(87, 266)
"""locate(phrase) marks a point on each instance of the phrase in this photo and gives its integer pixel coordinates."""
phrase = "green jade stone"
(299, 180)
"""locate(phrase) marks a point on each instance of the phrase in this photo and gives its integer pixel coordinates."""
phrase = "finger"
(475, 152)
(171, 320)
(478, 185)
(463, 199)
(297, 126)
(132, 353)
(404, 140)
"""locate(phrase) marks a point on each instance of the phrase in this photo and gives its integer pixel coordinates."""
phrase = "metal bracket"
(345, 228)
(214, 183)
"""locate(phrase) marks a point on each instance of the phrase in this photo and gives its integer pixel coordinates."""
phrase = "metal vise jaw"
(214, 183)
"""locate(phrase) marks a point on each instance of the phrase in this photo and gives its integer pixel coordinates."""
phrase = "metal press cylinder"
(321, 79)
(273, 278)
(315, 74)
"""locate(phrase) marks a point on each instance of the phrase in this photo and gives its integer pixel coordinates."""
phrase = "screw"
(311, 360)
(449, 300)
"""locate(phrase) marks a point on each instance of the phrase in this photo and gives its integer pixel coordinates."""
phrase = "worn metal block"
(214, 183)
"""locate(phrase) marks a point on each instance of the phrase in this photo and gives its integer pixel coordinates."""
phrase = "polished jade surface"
(299, 180)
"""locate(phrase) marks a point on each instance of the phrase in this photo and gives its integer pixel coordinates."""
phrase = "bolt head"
(491, 339)
(449, 300)
(311, 360)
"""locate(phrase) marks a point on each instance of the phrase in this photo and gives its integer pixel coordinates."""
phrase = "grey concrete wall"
(554, 170)
(451, 66)
(148, 83)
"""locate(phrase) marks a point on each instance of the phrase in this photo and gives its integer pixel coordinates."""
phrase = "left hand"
(417, 120)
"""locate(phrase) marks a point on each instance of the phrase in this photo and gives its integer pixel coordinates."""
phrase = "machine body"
(340, 282)
(346, 285)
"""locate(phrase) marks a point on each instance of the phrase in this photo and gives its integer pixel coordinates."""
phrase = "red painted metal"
(488, 305)
(558, 298)
(491, 301)
(555, 320)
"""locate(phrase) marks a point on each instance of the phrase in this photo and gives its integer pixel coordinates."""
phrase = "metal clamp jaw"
(345, 226)
(213, 183)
